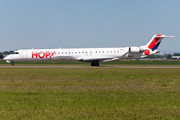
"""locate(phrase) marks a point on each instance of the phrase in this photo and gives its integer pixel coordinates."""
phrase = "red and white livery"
(93, 55)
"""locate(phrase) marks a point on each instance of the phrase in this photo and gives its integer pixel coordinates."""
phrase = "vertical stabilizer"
(155, 41)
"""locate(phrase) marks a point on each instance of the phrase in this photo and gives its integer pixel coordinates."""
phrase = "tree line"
(165, 56)
(2, 54)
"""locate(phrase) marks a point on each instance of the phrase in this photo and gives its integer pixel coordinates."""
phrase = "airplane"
(92, 55)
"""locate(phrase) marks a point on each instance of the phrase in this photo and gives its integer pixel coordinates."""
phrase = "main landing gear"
(94, 64)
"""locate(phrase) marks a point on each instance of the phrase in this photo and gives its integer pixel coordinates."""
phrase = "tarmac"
(126, 66)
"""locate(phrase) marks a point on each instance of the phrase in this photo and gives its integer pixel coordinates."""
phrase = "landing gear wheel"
(97, 64)
(92, 64)
(12, 63)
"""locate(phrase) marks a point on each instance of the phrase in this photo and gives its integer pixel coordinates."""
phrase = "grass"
(89, 93)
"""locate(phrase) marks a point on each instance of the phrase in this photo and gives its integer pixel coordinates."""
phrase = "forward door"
(24, 54)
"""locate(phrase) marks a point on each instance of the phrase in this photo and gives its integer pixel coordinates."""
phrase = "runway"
(125, 66)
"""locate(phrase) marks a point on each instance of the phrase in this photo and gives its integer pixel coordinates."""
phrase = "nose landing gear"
(12, 63)
(94, 64)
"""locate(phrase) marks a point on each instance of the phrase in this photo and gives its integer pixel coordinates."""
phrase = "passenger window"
(62, 52)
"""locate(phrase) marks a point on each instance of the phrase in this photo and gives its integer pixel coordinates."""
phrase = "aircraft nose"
(7, 59)
(4, 58)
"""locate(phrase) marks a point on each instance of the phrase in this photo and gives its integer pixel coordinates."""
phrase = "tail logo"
(155, 42)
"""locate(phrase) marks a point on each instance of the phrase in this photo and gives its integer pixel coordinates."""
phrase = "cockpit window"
(16, 52)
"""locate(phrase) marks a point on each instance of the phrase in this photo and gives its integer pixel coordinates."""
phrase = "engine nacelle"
(135, 49)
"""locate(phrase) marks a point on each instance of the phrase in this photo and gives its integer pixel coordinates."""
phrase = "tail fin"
(155, 41)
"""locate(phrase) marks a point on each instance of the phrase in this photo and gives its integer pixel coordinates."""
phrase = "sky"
(26, 24)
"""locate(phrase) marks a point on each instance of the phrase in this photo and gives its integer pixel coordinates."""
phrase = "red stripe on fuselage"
(154, 41)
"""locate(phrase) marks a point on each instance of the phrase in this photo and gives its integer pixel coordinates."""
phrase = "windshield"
(16, 52)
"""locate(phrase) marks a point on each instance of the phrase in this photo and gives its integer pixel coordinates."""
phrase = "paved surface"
(129, 66)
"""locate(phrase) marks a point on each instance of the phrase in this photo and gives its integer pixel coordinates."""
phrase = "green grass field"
(89, 93)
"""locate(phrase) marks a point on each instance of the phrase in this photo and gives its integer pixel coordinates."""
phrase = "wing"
(100, 59)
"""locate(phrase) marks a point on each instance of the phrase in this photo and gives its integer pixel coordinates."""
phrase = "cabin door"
(24, 54)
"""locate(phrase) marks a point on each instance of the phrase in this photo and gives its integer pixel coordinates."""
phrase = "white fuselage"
(93, 55)
(81, 54)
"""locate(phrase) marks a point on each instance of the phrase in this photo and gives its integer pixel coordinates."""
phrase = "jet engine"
(135, 49)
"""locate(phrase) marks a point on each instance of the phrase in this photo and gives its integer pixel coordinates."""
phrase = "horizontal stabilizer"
(163, 36)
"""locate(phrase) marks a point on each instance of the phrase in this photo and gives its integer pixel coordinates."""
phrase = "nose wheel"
(94, 64)
(12, 63)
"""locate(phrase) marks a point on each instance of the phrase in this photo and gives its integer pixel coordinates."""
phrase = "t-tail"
(151, 47)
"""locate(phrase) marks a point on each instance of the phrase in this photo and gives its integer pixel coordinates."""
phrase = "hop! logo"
(42, 54)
